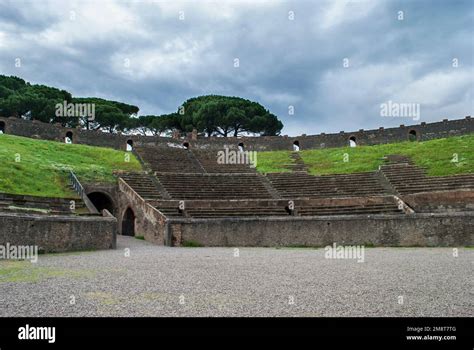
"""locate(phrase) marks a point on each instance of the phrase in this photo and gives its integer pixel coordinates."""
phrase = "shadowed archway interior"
(128, 223)
(102, 201)
(69, 137)
(352, 141)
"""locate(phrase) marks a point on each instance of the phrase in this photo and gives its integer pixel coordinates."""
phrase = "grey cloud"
(282, 62)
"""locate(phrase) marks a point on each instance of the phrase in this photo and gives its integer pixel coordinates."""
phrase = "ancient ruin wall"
(58, 233)
(425, 230)
(149, 222)
(422, 132)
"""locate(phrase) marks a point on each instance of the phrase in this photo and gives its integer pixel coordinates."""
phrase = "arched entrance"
(412, 136)
(296, 146)
(186, 145)
(241, 146)
(352, 141)
(128, 223)
(2, 127)
(68, 138)
(102, 201)
(129, 145)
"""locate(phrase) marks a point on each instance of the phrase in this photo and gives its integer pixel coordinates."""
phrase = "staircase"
(302, 185)
(298, 163)
(25, 204)
(174, 160)
(407, 178)
(213, 186)
(275, 207)
(209, 162)
(144, 185)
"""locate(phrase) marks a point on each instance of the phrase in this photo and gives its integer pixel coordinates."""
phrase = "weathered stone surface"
(379, 230)
(59, 233)
(149, 222)
(424, 131)
(441, 201)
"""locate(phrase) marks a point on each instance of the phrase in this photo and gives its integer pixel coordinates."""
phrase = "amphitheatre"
(179, 194)
(408, 186)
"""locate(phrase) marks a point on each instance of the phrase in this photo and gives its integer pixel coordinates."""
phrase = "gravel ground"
(163, 281)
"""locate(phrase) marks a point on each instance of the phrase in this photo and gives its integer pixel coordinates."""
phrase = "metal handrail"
(80, 191)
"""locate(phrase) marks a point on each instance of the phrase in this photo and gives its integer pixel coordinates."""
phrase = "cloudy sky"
(332, 62)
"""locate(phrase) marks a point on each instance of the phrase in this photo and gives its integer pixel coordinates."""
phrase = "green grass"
(435, 155)
(42, 166)
(105, 298)
(191, 244)
(25, 271)
(275, 161)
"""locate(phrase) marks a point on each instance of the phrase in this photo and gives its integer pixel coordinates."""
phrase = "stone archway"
(128, 223)
(129, 146)
(102, 201)
(412, 135)
(2, 128)
(296, 146)
(69, 137)
(352, 141)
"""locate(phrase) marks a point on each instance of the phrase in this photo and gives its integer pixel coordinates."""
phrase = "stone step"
(56, 206)
(143, 185)
(253, 211)
(408, 178)
(330, 207)
(434, 184)
(213, 186)
(350, 212)
(305, 176)
(396, 174)
(320, 186)
(168, 159)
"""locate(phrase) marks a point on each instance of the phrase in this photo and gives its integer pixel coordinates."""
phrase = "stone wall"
(430, 230)
(59, 233)
(279, 203)
(45, 131)
(424, 131)
(149, 222)
(441, 201)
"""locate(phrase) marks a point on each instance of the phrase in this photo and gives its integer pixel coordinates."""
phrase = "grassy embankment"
(437, 156)
(39, 168)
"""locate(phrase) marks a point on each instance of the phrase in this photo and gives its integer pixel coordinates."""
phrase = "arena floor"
(163, 281)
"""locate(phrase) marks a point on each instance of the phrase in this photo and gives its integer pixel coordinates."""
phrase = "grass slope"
(42, 165)
(436, 156)
(273, 161)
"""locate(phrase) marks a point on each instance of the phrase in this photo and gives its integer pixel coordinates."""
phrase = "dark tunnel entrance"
(128, 223)
(102, 201)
